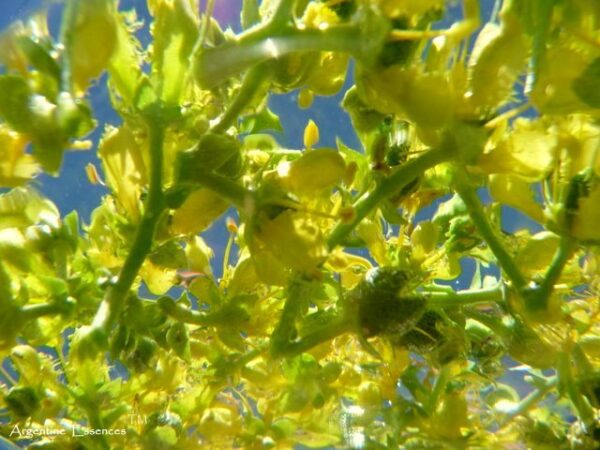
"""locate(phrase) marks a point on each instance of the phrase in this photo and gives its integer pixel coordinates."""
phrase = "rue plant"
(333, 321)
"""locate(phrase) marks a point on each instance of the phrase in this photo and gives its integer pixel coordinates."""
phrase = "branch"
(389, 186)
(114, 300)
(475, 210)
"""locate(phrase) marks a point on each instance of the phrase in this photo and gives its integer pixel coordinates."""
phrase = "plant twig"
(403, 175)
(114, 300)
(505, 260)
(466, 297)
(530, 401)
(539, 297)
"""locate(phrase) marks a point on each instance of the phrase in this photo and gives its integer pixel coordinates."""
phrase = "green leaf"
(39, 56)
(14, 102)
(22, 207)
(124, 67)
(261, 121)
(175, 33)
(145, 98)
(250, 14)
(587, 85)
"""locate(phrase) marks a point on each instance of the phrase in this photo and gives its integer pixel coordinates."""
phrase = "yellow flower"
(294, 240)
(16, 166)
(528, 151)
(124, 167)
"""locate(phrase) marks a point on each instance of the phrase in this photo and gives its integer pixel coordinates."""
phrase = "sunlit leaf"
(198, 212)
(175, 32)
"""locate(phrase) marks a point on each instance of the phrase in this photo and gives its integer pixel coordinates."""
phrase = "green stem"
(231, 191)
(438, 389)
(227, 315)
(540, 296)
(6, 298)
(68, 23)
(530, 401)
(323, 334)
(282, 14)
(114, 300)
(569, 386)
(475, 209)
(466, 297)
(389, 186)
(286, 327)
(35, 311)
(212, 66)
(248, 90)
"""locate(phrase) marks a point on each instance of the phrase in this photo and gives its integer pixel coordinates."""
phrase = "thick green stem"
(505, 260)
(212, 66)
(569, 386)
(228, 315)
(248, 90)
(114, 300)
(389, 186)
(539, 297)
(38, 310)
(467, 297)
(323, 334)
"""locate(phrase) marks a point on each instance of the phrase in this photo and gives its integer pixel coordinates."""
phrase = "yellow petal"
(16, 166)
(516, 192)
(529, 151)
(198, 212)
(124, 168)
(314, 171)
(158, 279)
(199, 255)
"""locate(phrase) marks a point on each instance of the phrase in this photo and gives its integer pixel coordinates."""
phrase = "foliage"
(333, 322)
